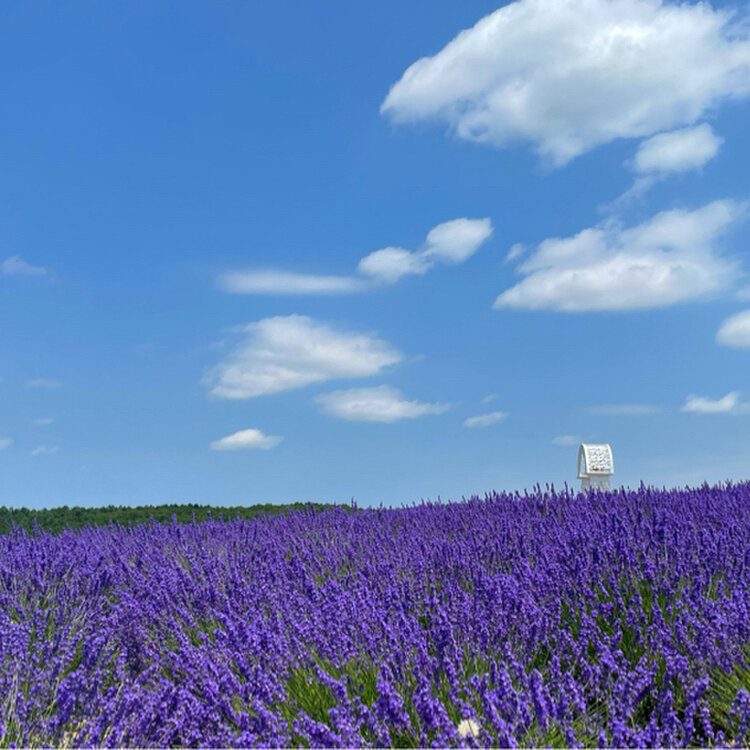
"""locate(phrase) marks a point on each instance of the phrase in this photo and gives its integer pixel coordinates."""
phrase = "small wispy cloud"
(246, 440)
(285, 282)
(567, 440)
(5, 442)
(489, 397)
(43, 383)
(485, 420)
(43, 421)
(670, 153)
(516, 251)
(17, 266)
(379, 404)
(44, 450)
(623, 410)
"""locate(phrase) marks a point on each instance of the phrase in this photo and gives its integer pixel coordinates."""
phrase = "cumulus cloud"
(735, 331)
(281, 353)
(566, 440)
(670, 153)
(43, 383)
(379, 404)
(456, 241)
(391, 263)
(449, 243)
(485, 420)
(17, 266)
(678, 151)
(5, 442)
(669, 259)
(284, 282)
(569, 76)
(623, 410)
(729, 404)
(246, 440)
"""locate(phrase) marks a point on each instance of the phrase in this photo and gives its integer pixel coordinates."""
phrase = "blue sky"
(290, 251)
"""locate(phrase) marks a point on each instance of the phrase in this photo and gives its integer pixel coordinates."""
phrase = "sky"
(293, 251)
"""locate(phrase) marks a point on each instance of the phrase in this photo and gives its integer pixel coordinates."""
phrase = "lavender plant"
(552, 618)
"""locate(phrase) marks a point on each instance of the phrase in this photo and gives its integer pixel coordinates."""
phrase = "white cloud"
(449, 243)
(566, 440)
(283, 282)
(245, 440)
(515, 252)
(379, 404)
(43, 383)
(281, 353)
(5, 442)
(678, 151)
(735, 331)
(489, 397)
(456, 241)
(391, 263)
(728, 404)
(669, 153)
(569, 76)
(669, 259)
(623, 410)
(17, 266)
(44, 450)
(485, 420)
(44, 421)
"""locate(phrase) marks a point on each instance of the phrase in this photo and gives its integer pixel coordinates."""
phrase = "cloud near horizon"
(449, 243)
(567, 77)
(669, 259)
(286, 352)
(485, 420)
(567, 440)
(378, 404)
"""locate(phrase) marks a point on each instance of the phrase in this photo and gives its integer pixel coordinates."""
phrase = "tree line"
(58, 519)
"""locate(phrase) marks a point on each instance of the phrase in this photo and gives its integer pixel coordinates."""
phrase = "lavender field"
(618, 619)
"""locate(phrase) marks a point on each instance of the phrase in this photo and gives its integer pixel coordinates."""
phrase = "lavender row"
(613, 619)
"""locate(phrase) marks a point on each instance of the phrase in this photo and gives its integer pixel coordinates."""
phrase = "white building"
(595, 466)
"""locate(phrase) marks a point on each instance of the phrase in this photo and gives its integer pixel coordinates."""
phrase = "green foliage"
(723, 690)
(56, 520)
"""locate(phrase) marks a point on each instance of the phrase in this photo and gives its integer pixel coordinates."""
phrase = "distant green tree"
(55, 520)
